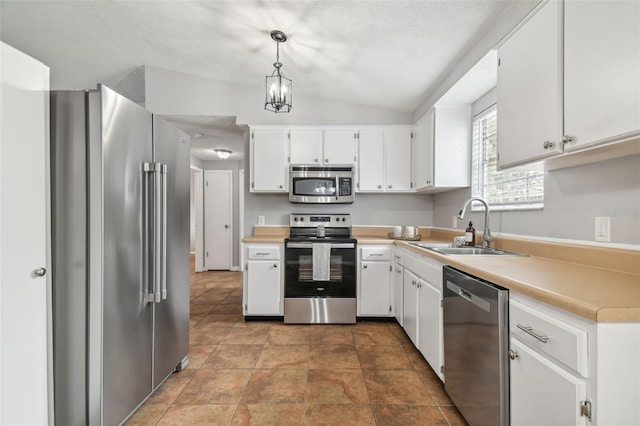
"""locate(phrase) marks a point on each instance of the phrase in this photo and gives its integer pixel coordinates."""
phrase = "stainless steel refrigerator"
(120, 248)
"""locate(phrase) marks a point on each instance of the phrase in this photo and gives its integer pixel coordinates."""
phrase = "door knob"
(40, 272)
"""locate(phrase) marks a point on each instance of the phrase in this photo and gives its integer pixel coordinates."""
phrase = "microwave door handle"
(337, 188)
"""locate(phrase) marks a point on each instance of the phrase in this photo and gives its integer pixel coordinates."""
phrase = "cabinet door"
(269, 160)
(556, 393)
(397, 154)
(398, 293)
(423, 152)
(530, 90)
(375, 290)
(339, 146)
(430, 324)
(371, 160)
(410, 306)
(305, 146)
(263, 287)
(601, 69)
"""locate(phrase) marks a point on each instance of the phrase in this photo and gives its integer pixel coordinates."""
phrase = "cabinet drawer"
(397, 257)
(268, 252)
(376, 253)
(549, 335)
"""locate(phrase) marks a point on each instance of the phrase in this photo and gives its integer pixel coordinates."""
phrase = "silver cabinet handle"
(513, 354)
(364, 266)
(530, 332)
(547, 144)
(390, 186)
(398, 271)
(280, 186)
(275, 265)
(40, 272)
(226, 227)
(379, 186)
(316, 160)
(566, 139)
(326, 160)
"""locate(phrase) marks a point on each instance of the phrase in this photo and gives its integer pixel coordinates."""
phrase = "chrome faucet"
(486, 233)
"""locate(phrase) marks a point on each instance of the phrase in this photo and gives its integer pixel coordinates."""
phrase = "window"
(503, 190)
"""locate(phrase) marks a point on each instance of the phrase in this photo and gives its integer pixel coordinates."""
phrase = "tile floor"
(268, 373)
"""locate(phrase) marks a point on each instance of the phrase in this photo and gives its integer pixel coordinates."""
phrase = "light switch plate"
(603, 229)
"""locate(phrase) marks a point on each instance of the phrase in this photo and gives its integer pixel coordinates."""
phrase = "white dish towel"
(321, 261)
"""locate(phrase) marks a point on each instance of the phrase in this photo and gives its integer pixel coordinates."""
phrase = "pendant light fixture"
(278, 87)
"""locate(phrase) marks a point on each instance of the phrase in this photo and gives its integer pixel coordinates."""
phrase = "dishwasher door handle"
(469, 297)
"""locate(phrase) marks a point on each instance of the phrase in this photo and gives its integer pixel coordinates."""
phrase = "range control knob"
(302, 219)
(337, 219)
(295, 219)
(344, 219)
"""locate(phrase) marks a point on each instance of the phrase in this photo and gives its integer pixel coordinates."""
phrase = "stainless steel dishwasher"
(476, 339)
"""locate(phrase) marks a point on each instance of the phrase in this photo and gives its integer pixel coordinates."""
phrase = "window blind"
(502, 190)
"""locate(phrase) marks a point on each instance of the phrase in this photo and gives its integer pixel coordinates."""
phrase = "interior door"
(218, 219)
(24, 207)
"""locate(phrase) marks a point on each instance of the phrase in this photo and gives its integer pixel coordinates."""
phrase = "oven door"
(339, 281)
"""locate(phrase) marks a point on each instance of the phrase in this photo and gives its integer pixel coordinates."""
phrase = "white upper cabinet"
(305, 146)
(441, 145)
(384, 159)
(397, 153)
(339, 146)
(423, 152)
(530, 89)
(601, 70)
(269, 149)
(371, 160)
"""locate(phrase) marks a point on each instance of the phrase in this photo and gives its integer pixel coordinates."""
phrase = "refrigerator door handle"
(148, 238)
(164, 233)
(157, 232)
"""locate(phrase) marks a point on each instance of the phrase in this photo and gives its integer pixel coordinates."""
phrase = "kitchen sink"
(431, 245)
(472, 251)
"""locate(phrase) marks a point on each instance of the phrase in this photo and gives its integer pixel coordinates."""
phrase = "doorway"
(196, 221)
(218, 219)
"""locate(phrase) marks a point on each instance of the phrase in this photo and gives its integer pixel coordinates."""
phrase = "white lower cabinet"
(422, 308)
(430, 337)
(263, 291)
(398, 283)
(375, 292)
(410, 306)
(542, 392)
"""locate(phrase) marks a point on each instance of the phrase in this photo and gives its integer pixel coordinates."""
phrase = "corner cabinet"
(441, 147)
(263, 280)
(375, 292)
(269, 159)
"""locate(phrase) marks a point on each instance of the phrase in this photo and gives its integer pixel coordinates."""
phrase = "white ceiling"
(387, 54)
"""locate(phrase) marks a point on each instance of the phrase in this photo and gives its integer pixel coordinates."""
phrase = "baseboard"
(235, 268)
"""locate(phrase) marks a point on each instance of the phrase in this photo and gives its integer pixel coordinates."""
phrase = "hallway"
(268, 373)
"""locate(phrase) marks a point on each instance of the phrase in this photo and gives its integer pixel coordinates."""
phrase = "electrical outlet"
(454, 222)
(603, 229)
(260, 220)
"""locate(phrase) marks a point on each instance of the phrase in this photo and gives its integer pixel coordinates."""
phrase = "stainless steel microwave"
(321, 184)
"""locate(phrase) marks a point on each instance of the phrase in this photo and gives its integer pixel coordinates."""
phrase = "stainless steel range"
(320, 274)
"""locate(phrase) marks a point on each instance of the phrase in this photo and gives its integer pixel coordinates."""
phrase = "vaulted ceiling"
(376, 53)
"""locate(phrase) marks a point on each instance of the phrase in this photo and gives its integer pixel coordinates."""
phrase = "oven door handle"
(333, 245)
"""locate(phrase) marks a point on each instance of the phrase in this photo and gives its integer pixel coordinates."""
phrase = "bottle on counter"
(470, 235)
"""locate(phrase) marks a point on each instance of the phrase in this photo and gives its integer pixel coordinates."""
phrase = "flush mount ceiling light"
(278, 87)
(222, 153)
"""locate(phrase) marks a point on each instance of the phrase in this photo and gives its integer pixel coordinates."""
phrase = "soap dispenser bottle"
(470, 235)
